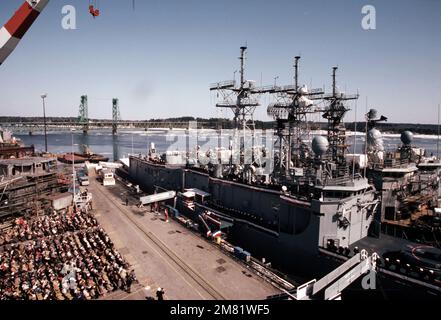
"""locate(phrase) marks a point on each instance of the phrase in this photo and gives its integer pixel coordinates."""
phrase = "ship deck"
(383, 244)
(170, 256)
(408, 222)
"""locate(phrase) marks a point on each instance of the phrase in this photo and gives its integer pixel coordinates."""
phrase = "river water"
(137, 141)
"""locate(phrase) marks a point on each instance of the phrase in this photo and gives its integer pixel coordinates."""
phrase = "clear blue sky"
(160, 59)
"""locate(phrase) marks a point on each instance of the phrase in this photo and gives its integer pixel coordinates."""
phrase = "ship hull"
(289, 241)
(81, 158)
(265, 224)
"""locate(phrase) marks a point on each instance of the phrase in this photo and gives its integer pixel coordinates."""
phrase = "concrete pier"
(168, 255)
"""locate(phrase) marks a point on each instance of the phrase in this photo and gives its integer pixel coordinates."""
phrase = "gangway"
(332, 285)
(157, 197)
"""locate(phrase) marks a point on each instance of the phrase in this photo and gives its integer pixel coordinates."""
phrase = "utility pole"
(73, 166)
(43, 97)
(437, 140)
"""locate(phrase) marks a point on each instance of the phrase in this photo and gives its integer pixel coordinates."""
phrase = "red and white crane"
(14, 30)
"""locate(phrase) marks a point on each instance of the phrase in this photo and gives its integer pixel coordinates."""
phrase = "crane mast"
(14, 30)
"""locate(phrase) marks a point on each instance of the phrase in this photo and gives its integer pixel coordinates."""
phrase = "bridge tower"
(116, 116)
(83, 117)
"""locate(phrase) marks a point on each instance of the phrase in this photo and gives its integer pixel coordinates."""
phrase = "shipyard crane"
(14, 30)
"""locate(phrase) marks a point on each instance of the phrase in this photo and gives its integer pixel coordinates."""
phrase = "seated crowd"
(62, 257)
(46, 225)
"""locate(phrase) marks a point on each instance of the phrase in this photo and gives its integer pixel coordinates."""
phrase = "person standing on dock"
(130, 279)
(160, 294)
(133, 276)
(127, 201)
(166, 214)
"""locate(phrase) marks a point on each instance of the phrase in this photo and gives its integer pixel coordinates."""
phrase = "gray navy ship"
(305, 205)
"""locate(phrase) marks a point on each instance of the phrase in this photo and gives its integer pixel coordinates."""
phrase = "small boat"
(81, 158)
(85, 155)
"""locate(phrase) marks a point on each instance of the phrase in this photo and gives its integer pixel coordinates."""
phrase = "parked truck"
(107, 178)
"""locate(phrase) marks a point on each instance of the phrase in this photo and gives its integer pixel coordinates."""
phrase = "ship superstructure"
(314, 205)
(311, 200)
(240, 98)
(409, 184)
(243, 159)
(290, 111)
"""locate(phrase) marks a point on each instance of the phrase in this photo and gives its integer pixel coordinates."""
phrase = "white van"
(84, 181)
(107, 177)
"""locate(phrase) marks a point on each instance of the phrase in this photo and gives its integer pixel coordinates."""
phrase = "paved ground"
(168, 255)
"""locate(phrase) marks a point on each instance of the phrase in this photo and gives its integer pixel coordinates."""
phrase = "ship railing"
(390, 164)
(341, 96)
(225, 104)
(223, 85)
(263, 89)
(338, 181)
(277, 112)
(281, 105)
(249, 102)
(289, 87)
(243, 103)
(315, 91)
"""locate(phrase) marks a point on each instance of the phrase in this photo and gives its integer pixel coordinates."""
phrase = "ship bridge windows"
(334, 194)
(393, 174)
(359, 192)
(337, 194)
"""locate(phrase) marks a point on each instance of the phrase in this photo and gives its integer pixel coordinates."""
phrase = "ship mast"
(293, 104)
(240, 100)
(336, 129)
